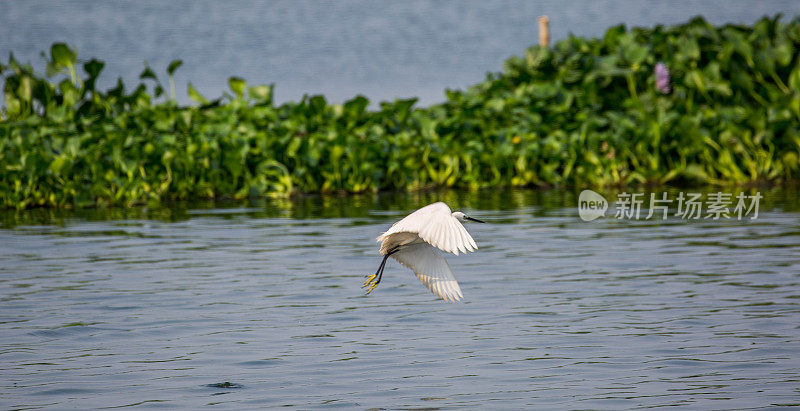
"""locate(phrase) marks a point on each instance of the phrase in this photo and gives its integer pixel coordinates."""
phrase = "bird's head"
(463, 217)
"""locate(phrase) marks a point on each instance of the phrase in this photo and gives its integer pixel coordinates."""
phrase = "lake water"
(383, 50)
(259, 305)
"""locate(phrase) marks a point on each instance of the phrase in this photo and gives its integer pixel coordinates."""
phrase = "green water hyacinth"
(586, 113)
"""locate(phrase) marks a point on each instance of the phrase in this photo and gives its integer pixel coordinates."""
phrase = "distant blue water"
(383, 49)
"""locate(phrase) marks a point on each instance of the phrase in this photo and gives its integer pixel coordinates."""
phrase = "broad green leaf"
(356, 106)
(794, 79)
(62, 55)
(93, 67)
(238, 86)
(174, 66)
(148, 73)
(262, 93)
(195, 95)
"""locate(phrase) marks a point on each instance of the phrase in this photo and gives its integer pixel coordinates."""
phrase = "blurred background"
(380, 49)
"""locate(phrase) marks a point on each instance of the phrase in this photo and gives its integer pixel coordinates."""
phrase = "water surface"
(258, 305)
(381, 49)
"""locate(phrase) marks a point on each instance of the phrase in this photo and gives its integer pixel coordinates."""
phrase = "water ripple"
(237, 308)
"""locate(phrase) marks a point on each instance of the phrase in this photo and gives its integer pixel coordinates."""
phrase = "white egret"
(413, 240)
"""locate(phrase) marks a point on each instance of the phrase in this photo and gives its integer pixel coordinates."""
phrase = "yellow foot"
(370, 284)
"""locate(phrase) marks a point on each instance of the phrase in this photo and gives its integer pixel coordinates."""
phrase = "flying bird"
(413, 241)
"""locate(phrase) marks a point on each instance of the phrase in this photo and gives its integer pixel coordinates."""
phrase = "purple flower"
(662, 78)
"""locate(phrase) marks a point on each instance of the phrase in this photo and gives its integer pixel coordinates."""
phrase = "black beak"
(474, 219)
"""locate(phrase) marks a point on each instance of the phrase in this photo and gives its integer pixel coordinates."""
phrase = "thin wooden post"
(544, 31)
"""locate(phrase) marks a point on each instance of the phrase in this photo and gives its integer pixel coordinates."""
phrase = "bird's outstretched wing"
(436, 225)
(432, 269)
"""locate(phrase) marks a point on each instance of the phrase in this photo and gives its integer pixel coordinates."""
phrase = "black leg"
(383, 264)
(380, 269)
(379, 273)
(375, 279)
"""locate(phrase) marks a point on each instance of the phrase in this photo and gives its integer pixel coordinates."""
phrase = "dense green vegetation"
(585, 112)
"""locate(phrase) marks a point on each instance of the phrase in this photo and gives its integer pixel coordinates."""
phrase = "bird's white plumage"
(435, 225)
(431, 268)
(416, 238)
